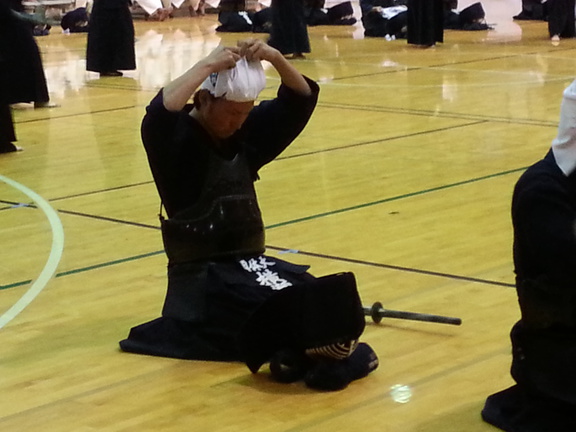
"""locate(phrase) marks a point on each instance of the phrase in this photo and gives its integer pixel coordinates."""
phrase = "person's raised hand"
(257, 49)
(222, 58)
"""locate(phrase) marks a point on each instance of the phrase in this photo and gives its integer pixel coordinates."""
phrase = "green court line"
(396, 198)
(109, 263)
(88, 268)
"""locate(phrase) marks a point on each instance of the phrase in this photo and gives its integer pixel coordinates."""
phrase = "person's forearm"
(177, 93)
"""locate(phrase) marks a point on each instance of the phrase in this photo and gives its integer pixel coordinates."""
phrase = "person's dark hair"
(196, 98)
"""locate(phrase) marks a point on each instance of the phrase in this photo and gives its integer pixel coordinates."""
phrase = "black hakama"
(24, 71)
(110, 37)
(561, 18)
(425, 22)
(289, 33)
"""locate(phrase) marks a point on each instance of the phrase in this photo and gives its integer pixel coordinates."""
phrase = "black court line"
(442, 114)
(97, 84)
(108, 219)
(377, 141)
(94, 84)
(11, 204)
(110, 189)
(311, 254)
(396, 267)
(80, 114)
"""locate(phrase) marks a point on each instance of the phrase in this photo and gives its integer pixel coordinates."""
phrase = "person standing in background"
(24, 70)
(289, 33)
(425, 22)
(561, 19)
(110, 38)
(7, 134)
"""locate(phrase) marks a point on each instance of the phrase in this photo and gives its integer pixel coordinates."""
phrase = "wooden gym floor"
(403, 176)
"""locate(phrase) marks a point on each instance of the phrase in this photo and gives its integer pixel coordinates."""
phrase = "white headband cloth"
(564, 145)
(242, 83)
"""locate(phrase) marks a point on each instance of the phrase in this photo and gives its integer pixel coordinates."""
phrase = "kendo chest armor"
(225, 221)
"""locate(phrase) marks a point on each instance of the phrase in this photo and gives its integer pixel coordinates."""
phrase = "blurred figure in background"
(561, 19)
(110, 38)
(289, 32)
(425, 22)
(24, 70)
(7, 134)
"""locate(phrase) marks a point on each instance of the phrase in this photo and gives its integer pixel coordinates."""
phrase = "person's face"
(222, 117)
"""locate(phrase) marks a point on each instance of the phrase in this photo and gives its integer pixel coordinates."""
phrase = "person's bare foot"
(166, 13)
(160, 14)
(201, 10)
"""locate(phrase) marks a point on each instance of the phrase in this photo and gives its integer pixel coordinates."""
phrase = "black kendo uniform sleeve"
(176, 148)
(157, 131)
(274, 124)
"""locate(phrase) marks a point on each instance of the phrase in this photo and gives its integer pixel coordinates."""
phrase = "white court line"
(53, 260)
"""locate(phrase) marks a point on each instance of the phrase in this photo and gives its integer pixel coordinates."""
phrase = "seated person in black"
(75, 21)
(382, 18)
(544, 340)
(533, 10)
(317, 13)
(223, 293)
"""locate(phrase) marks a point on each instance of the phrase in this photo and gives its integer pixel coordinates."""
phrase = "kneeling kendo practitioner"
(544, 340)
(226, 300)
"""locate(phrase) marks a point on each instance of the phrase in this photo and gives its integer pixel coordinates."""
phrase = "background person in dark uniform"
(110, 38)
(425, 22)
(377, 25)
(561, 19)
(544, 340)
(289, 32)
(24, 69)
(7, 134)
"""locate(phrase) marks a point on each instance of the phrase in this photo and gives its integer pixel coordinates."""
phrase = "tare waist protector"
(225, 221)
(231, 227)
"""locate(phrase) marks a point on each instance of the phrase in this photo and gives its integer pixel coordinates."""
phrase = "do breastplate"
(225, 221)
